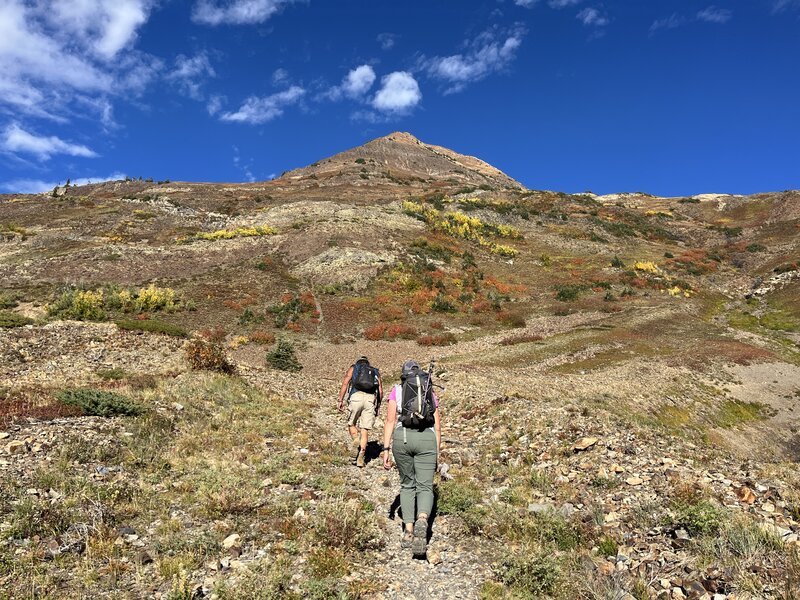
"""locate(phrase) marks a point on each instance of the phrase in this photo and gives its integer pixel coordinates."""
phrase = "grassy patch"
(733, 413)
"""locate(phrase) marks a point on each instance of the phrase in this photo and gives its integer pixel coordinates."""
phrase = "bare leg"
(364, 438)
(353, 432)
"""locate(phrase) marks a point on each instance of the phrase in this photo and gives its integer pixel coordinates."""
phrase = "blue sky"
(671, 97)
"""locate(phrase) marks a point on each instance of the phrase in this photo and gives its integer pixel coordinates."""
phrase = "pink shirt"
(393, 396)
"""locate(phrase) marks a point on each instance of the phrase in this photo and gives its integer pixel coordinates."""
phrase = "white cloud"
(17, 140)
(387, 40)
(107, 26)
(670, 22)
(486, 54)
(190, 73)
(592, 17)
(562, 3)
(235, 12)
(257, 110)
(37, 186)
(399, 93)
(62, 53)
(358, 81)
(712, 14)
(525, 3)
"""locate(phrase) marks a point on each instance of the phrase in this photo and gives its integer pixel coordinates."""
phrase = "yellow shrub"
(155, 298)
(228, 234)
(647, 267)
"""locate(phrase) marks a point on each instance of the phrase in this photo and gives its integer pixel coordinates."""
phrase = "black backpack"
(417, 407)
(365, 377)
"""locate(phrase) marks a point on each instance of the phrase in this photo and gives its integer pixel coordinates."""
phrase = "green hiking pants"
(415, 454)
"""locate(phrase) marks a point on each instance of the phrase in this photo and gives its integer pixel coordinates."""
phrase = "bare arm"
(345, 385)
(388, 430)
(437, 426)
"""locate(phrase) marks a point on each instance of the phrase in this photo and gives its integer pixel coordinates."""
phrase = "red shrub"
(441, 339)
(375, 332)
(398, 330)
(262, 337)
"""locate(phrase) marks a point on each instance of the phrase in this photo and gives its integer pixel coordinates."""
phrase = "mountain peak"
(401, 162)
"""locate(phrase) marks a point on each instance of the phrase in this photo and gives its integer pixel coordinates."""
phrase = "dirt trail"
(461, 565)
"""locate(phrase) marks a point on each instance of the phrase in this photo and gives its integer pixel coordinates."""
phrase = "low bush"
(93, 305)
(531, 572)
(229, 234)
(755, 248)
(511, 319)
(152, 326)
(10, 319)
(262, 337)
(342, 524)
(568, 293)
(520, 339)
(698, 518)
(284, 358)
(99, 403)
(114, 374)
(440, 339)
(207, 355)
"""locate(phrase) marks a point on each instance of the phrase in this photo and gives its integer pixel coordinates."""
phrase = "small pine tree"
(284, 358)
(66, 185)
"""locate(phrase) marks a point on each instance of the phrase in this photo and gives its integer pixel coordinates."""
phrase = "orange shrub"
(204, 355)
(375, 332)
(214, 335)
(398, 330)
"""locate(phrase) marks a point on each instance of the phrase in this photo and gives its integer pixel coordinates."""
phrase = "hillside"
(622, 378)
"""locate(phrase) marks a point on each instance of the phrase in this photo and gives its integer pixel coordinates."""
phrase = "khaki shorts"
(362, 410)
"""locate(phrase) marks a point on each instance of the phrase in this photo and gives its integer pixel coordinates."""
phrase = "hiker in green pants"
(413, 435)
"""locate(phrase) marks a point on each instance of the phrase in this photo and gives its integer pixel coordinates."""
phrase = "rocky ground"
(620, 414)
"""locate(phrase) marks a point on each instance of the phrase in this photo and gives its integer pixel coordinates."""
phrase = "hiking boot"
(360, 459)
(407, 540)
(420, 543)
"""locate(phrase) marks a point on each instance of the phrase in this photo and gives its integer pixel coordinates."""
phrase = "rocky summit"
(621, 380)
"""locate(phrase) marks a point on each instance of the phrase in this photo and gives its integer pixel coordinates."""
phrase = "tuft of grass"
(152, 326)
(607, 546)
(7, 301)
(698, 518)
(99, 403)
(344, 524)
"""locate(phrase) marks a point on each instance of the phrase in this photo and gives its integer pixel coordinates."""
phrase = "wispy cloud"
(16, 140)
(387, 40)
(257, 110)
(490, 52)
(236, 12)
(713, 14)
(37, 186)
(778, 6)
(562, 3)
(526, 3)
(670, 22)
(190, 73)
(399, 93)
(592, 17)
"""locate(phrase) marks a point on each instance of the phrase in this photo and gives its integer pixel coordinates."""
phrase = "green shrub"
(10, 319)
(568, 293)
(99, 403)
(283, 357)
(531, 572)
(698, 518)
(756, 248)
(152, 326)
(456, 497)
(617, 262)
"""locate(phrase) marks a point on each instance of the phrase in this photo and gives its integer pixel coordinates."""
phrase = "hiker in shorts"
(413, 436)
(363, 390)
